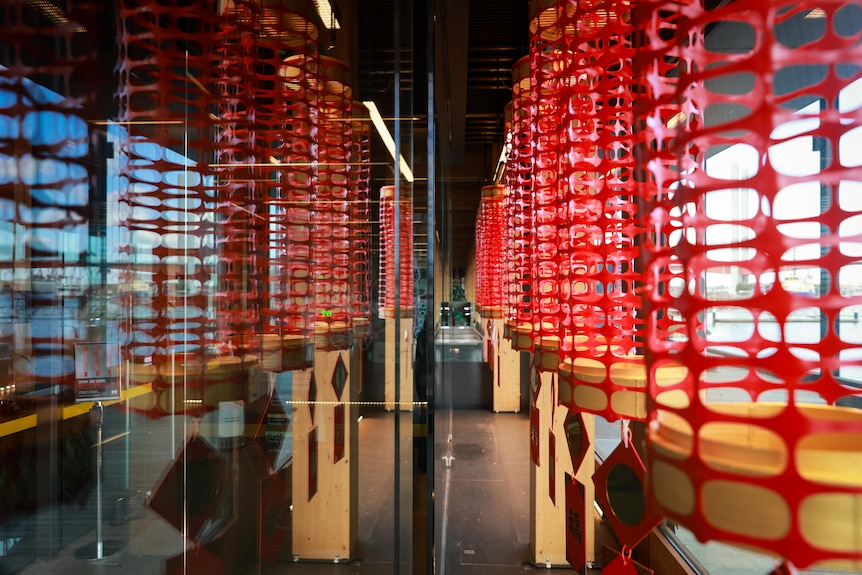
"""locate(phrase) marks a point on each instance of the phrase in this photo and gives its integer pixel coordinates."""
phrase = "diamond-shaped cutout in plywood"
(312, 394)
(339, 377)
(577, 438)
(535, 380)
(191, 488)
(272, 428)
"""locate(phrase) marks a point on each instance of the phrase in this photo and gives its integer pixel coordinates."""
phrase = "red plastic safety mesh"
(480, 258)
(292, 140)
(601, 331)
(247, 106)
(519, 169)
(510, 277)
(47, 151)
(490, 247)
(163, 70)
(387, 278)
(360, 221)
(547, 60)
(752, 243)
(331, 227)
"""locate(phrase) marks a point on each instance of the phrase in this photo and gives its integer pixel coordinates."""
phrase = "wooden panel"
(507, 372)
(547, 519)
(325, 519)
(405, 364)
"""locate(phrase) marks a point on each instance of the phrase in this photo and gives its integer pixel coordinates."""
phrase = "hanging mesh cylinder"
(750, 249)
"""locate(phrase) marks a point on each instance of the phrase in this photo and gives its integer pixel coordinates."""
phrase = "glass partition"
(194, 366)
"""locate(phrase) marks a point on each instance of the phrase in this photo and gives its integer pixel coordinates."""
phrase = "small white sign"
(230, 422)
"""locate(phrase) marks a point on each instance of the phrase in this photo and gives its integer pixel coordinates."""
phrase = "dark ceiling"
(477, 42)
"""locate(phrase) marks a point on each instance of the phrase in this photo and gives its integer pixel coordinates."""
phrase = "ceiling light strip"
(386, 136)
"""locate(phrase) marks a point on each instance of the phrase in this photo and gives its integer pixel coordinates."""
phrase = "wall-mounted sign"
(231, 423)
(93, 380)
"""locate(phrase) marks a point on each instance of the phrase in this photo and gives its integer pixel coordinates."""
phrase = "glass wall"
(194, 363)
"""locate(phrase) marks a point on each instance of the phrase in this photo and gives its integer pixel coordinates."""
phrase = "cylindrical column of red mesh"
(360, 221)
(290, 201)
(46, 154)
(520, 169)
(510, 280)
(247, 89)
(490, 249)
(751, 440)
(601, 368)
(480, 258)
(165, 99)
(331, 226)
(387, 276)
(275, 118)
(547, 58)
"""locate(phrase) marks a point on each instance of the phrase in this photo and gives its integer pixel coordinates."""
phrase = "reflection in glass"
(626, 495)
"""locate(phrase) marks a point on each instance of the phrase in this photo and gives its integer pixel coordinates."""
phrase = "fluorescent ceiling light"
(324, 10)
(50, 11)
(377, 120)
(500, 170)
(676, 120)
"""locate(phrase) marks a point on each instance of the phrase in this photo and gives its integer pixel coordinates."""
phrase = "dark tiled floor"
(481, 501)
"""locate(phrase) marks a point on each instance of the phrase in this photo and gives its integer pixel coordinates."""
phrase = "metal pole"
(99, 538)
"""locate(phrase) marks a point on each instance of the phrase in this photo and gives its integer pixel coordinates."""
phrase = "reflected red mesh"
(291, 139)
(47, 151)
(360, 221)
(167, 78)
(171, 81)
(750, 125)
(247, 68)
(331, 228)
(387, 276)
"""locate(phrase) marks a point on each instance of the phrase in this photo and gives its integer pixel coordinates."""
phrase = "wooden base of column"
(506, 365)
(547, 514)
(405, 364)
(325, 460)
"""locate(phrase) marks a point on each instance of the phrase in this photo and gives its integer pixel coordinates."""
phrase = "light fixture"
(381, 128)
(506, 148)
(327, 14)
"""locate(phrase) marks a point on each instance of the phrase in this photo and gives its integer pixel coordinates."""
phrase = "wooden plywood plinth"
(507, 371)
(405, 364)
(325, 460)
(547, 515)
